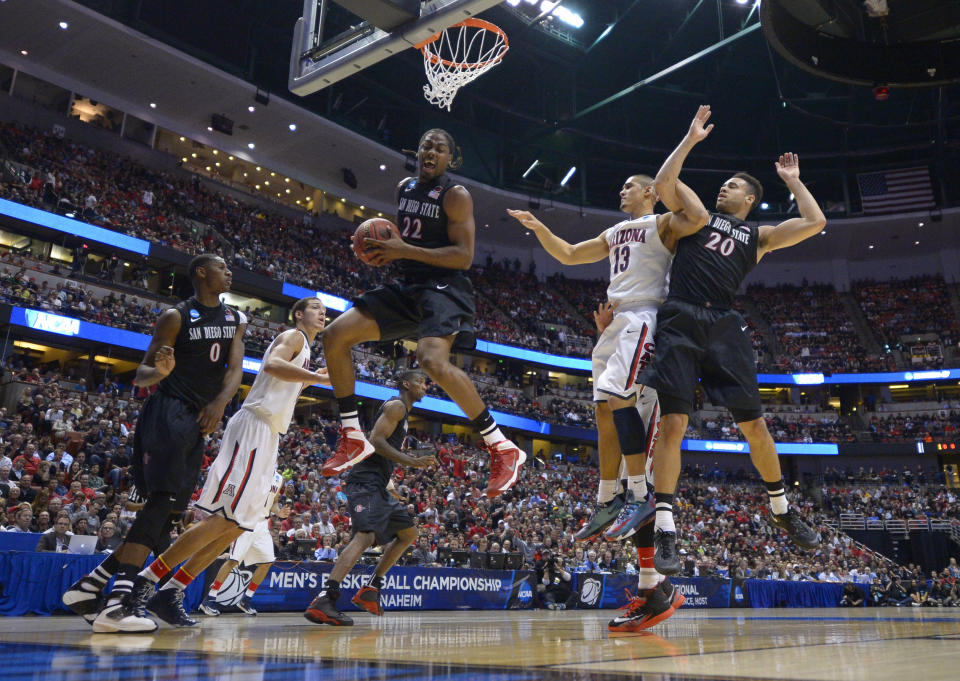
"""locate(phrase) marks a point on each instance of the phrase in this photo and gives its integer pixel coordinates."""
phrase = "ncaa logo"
(524, 593)
(234, 586)
(590, 591)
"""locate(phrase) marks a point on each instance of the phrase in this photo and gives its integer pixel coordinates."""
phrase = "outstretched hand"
(699, 128)
(526, 218)
(788, 167)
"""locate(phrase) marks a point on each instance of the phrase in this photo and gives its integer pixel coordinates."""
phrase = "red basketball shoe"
(368, 598)
(353, 448)
(505, 462)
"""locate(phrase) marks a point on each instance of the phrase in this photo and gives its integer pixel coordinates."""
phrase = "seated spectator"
(57, 538)
(23, 519)
(107, 538)
(422, 555)
(853, 596)
(326, 552)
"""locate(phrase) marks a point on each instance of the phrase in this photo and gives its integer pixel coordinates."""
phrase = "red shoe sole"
(675, 605)
(373, 610)
(318, 617)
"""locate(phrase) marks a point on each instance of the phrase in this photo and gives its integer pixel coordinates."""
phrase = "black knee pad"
(631, 431)
(148, 527)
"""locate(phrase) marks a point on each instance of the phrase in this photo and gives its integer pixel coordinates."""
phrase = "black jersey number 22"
(416, 224)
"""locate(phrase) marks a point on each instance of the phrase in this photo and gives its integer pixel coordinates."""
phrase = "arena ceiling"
(533, 106)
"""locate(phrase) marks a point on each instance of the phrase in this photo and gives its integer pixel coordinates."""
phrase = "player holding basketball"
(237, 491)
(700, 336)
(195, 356)
(640, 251)
(376, 517)
(433, 303)
(250, 548)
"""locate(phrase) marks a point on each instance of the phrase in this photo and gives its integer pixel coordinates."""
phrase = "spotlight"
(566, 178)
(383, 166)
(153, 105)
(293, 127)
(764, 205)
(251, 108)
(64, 25)
(251, 145)
(24, 53)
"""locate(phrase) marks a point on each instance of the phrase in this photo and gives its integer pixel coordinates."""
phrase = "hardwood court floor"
(895, 644)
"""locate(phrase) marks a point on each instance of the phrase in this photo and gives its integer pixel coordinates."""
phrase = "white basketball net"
(460, 55)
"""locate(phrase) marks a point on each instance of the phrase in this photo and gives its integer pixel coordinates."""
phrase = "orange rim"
(474, 23)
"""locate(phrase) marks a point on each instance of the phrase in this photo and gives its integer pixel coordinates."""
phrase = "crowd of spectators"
(909, 307)
(514, 306)
(815, 331)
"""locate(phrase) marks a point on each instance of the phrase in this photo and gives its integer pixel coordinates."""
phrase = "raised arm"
(159, 361)
(666, 181)
(794, 230)
(391, 416)
(461, 229)
(591, 250)
(680, 223)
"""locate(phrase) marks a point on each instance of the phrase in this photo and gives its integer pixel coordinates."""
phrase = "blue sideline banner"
(606, 590)
(291, 586)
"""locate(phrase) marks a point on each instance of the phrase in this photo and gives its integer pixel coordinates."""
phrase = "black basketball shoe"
(665, 557)
(167, 604)
(602, 518)
(648, 608)
(799, 532)
(84, 598)
(323, 610)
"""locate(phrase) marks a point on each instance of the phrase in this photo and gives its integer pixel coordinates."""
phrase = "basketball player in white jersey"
(237, 489)
(640, 251)
(250, 548)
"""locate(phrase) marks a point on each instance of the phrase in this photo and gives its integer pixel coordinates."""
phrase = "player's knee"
(365, 538)
(672, 426)
(433, 363)
(408, 534)
(603, 410)
(754, 428)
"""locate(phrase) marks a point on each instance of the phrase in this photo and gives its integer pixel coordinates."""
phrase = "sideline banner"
(606, 590)
(291, 586)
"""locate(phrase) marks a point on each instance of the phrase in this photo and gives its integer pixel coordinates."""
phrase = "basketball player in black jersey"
(433, 303)
(700, 336)
(195, 358)
(376, 516)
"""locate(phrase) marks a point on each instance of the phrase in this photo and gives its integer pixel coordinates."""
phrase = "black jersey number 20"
(718, 243)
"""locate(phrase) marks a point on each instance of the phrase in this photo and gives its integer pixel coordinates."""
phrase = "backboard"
(316, 63)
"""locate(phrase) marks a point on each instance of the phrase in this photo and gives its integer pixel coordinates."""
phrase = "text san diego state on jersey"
(710, 265)
(423, 223)
(201, 351)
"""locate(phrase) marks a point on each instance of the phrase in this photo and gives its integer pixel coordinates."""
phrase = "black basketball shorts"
(435, 307)
(167, 449)
(695, 342)
(373, 509)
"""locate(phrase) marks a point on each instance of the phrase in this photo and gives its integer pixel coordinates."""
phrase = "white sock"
(648, 578)
(606, 491)
(492, 437)
(350, 421)
(664, 521)
(638, 485)
(778, 503)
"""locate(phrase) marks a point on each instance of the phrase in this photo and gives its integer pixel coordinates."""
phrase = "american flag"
(896, 191)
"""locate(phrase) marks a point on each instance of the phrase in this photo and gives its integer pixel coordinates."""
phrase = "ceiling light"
(343, 200)
(278, 195)
(217, 164)
(251, 145)
(530, 169)
(184, 159)
(267, 182)
(64, 25)
(293, 127)
(916, 243)
(215, 152)
(230, 157)
(286, 179)
(383, 166)
(742, 2)
(379, 215)
(193, 155)
(251, 108)
(919, 224)
(209, 129)
(24, 53)
(764, 205)
(566, 178)
(565, 15)
(288, 190)
(153, 105)
(258, 169)
(870, 247)
(824, 232)
(257, 186)
(183, 139)
(244, 174)
(208, 169)
(272, 174)
(363, 207)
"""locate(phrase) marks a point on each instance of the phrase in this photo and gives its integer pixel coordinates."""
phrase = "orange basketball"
(380, 229)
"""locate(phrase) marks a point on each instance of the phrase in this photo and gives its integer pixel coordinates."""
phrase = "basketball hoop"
(459, 55)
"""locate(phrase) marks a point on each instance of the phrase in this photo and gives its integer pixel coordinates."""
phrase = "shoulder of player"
(394, 408)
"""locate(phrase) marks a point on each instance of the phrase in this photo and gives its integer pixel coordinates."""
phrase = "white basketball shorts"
(239, 480)
(622, 351)
(254, 548)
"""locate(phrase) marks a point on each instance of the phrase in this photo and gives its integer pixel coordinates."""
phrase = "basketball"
(375, 228)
